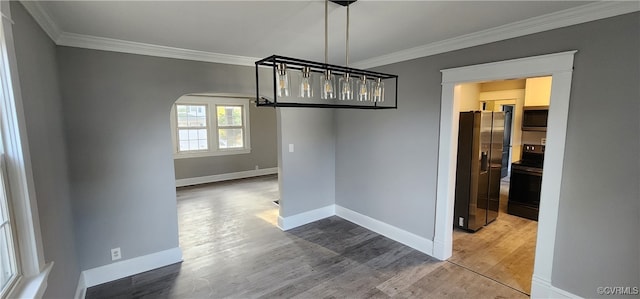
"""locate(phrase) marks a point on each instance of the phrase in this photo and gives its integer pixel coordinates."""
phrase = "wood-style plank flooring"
(233, 249)
(504, 250)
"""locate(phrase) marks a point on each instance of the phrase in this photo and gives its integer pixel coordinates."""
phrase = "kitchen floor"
(232, 248)
(502, 251)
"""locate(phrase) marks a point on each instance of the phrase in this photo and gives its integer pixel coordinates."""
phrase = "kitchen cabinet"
(537, 91)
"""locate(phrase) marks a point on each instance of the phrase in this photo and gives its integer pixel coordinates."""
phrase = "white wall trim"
(541, 288)
(287, 223)
(122, 269)
(116, 45)
(42, 18)
(568, 17)
(225, 177)
(402, 236)
(397, 234)
(81, 289)
(32, 286)
(563, 18)
(560, 67)
(514, 68)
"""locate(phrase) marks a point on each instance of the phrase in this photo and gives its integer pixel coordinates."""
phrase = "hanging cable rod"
(347, 40)
(326, 31)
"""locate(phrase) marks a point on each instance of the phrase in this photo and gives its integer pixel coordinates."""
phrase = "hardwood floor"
(233, 249)
(503, 250)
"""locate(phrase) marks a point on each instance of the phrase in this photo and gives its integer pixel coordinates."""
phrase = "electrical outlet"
(291, 147)
(543, 141)
(460, 221)
(257, 167)
(116, 254)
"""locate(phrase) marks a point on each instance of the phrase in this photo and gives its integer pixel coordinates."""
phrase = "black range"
(526, 182)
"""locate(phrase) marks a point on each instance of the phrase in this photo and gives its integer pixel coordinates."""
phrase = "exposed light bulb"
(283, 80)
(306, 90)
(328, 86)
(363, 89)
(346, 87)
(378, 91)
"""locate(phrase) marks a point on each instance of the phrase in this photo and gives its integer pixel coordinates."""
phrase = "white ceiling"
(258, 29)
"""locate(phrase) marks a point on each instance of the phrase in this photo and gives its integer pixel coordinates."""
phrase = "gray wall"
(37, 67)
(118, 137)
(263, 132)
(386, 162)
(121, 174)
(307, 175)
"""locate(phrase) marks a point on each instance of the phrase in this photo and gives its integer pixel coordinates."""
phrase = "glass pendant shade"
(377, 91)
(283, 80)
(363, 89)
(327, 81)
(306, 90)
(346, 87)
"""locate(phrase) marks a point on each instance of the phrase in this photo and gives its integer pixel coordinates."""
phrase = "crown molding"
(563, 18)
(42, 18)
(568, 17)
(116, 45)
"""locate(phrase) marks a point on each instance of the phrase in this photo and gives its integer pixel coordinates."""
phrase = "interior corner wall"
(307, 175)
(386, 162)
(38, 75)
(263, 133)
(116, 109)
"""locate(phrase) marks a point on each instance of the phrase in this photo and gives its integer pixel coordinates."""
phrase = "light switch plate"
(291, 147)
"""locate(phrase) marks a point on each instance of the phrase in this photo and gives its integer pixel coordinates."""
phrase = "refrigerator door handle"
(484, 161)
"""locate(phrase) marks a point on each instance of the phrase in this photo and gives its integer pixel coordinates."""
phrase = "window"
(8, 262)
(210, 126)
(192, 128)
(8, 259)
(230, 127)
(23, 272)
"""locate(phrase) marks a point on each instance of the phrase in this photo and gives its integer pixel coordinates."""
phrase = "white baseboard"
(225, 177)
(412, 240)
(111, 272)
(287, 223)
(441, 251)
(81, 290)
(542, 288)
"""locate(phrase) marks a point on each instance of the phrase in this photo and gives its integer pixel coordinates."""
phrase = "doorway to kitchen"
(559, 66)
(488, 237)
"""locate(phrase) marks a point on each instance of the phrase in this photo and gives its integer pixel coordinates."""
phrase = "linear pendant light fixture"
(354, 89)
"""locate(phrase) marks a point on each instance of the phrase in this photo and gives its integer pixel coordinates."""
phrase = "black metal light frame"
(317, 67)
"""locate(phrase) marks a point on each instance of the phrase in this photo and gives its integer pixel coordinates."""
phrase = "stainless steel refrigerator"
(478, 170)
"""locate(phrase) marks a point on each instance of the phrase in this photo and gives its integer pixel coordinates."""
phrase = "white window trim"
(32, 279)
(212, 101)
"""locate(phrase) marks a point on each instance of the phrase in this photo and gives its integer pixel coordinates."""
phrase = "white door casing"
(560, 67)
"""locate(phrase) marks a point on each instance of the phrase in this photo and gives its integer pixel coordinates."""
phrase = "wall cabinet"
(537, 91)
